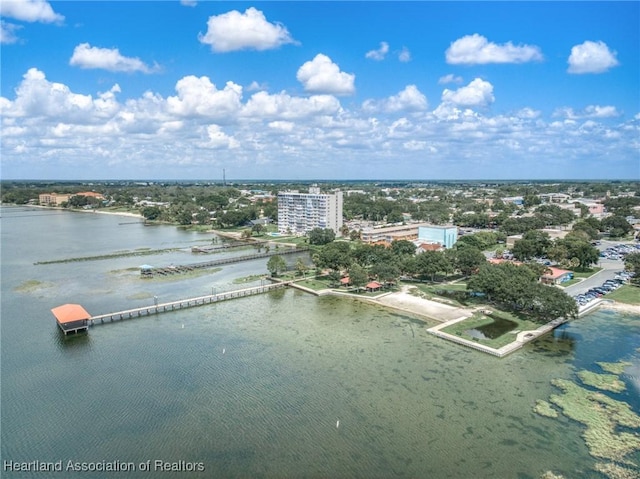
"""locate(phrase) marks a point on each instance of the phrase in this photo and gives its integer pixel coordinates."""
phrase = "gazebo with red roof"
(373, 286)
(72, 318)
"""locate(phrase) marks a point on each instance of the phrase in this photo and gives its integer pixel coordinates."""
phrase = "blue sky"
(320, 90)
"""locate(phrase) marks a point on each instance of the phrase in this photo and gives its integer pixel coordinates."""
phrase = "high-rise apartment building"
(299, 213)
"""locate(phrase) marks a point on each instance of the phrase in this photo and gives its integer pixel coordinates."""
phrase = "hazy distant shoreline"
(102, 212)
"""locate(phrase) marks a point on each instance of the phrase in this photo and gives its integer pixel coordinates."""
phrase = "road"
(609, 269)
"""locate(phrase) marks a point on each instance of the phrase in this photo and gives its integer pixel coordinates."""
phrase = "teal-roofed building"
(444, 235)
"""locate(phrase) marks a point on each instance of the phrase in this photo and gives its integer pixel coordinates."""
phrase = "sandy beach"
(405, 301)
(622, 307)
(98, 211)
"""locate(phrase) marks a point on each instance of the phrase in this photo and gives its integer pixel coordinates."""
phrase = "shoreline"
(73, 210)
(621, 307)
(404, 302)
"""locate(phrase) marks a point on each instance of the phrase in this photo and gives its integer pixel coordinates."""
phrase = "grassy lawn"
(586, 273)
(478, 321)
(316, 283)
(570, 282)
(456, 298)
(626, 294)
(298, 240)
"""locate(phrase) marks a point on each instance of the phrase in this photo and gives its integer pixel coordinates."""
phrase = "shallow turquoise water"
(255, 387)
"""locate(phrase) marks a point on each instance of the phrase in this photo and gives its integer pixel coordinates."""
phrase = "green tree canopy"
(403, 247)
(579, 248)
(358, 276)
(335, 255)
(467, 259)
(276, 264)
(321, 236)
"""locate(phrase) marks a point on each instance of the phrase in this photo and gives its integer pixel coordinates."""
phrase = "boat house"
(72, 318)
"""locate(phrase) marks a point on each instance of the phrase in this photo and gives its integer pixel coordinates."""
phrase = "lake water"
(255, 387)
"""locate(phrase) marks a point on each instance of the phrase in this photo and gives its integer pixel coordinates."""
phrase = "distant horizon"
(327, 180)
(289, 89)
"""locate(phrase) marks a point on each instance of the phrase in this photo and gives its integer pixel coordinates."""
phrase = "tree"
(402, 247)
(257, 228)
(301, 266)
(386, 271)
(468, 259)
(524, 250)
(431, 263)
(540, 241)
(321, 236)
(616, 226)
(335, 255)
(151, 212)
(276, 264)
(246, 234)
(357, 276)
(588, 228)
(580, 249)
(632, 263)
(334, 277)
(517, 288)
(482, 240)
(549, 303)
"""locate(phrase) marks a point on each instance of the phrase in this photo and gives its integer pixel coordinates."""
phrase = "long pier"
(178, 269)
(183, 303)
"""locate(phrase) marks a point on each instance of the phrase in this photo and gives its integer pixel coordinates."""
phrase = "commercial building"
(386, 235)
(444, 235)
(53, 199)
(299, 213)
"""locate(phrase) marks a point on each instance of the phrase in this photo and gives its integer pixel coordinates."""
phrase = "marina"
(148, 271)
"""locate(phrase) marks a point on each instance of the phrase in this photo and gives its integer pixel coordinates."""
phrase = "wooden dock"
(183, 303)
(149, 272)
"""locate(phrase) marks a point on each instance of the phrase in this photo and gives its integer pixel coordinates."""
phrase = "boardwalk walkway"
(183, 303)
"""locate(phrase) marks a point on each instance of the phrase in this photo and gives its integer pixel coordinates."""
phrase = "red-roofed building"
(429, 247)
(373, 286)
(72, 318)
(90, 194)
(556, 275)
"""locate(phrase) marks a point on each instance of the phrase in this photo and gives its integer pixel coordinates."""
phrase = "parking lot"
(611, 277)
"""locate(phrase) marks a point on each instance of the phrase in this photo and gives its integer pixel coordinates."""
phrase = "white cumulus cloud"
(88, 57)
(286, 107)
(591, 111)
(200, 97)
(591, 57)
(380, 53)
(321, 75)
(218, 139)
(450, 78)
(409, 99)
(477, 93)
(30, 11)
(7, 32)
(250, 30)
(476, 49)
(405, 55)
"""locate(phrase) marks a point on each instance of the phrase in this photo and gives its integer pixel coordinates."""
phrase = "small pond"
(493, 330)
